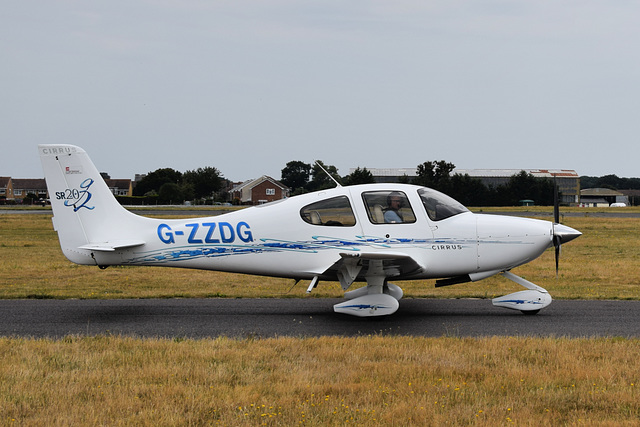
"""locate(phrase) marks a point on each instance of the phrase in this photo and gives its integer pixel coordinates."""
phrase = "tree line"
(168, 186)
(208, 185)
(302, 177)
(612, 182)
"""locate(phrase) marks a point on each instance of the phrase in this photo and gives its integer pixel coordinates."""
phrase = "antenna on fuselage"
(328, 174)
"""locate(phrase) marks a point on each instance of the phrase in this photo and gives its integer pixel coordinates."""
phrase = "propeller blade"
(557, 259)
(562, 234)
(556, 202)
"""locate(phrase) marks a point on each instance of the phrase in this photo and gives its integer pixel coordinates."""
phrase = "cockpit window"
(440, 206)
(334, 212)
(388, 207)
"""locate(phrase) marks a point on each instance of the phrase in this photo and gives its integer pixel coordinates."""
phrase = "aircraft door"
(393, 218)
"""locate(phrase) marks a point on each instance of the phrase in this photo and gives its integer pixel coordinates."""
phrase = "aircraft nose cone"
(565, 234)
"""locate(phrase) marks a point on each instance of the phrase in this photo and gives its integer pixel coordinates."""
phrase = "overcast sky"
(246, 86)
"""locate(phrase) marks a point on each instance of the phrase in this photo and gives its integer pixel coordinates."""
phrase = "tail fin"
(87, 216)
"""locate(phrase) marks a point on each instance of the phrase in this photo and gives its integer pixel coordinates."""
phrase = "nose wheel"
(529, 302)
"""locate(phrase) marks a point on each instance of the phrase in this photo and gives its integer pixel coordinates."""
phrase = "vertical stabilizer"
(85, 211)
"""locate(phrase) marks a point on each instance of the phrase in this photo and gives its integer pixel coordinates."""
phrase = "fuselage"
(300, 237)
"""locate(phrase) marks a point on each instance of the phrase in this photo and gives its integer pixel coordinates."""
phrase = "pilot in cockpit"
(392, 213)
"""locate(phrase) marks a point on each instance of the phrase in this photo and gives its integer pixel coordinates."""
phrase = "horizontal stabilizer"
(112, 246)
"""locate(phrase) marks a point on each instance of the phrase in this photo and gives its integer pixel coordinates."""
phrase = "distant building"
(23, 187)
(568, 180)
(601, 197)
(120, 187)
(6, 187)
(15, 190)
(386, 175)
(259, 191)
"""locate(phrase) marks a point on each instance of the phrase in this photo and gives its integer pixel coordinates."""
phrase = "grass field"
(374, 380)
(320, 381)
(601, 264)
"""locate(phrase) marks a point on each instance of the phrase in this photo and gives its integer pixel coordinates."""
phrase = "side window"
(388, 207)
(334, 212)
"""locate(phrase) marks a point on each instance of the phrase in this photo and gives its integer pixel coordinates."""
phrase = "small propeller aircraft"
(369, 233)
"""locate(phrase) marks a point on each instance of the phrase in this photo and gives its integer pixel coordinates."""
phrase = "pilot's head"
(395, 200)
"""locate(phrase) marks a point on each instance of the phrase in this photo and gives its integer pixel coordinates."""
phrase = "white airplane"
(363, 233)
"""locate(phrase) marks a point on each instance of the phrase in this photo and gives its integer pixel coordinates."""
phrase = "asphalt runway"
(310, 317)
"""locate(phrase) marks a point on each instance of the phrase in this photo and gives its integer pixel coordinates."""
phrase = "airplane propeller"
(561, 233)
(557, 241)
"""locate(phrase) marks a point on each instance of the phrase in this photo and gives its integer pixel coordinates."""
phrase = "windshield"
(440, 206)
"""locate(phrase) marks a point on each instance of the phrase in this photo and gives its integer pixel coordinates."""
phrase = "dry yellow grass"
(601, 264)
(319, 381)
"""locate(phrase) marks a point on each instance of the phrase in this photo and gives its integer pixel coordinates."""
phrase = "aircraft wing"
(356, 266)
(112, 246)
